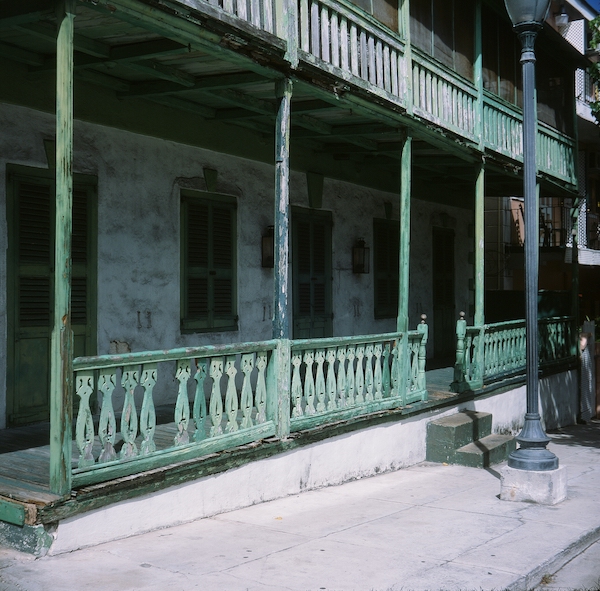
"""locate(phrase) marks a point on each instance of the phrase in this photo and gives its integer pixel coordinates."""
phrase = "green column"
(478, 73)
(405, 34)
(403, 276)
(479, 285)
(61, 352)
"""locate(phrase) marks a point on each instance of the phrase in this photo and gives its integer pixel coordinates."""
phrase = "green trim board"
(30, 211)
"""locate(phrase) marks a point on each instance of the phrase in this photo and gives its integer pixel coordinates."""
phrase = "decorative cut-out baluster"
(369, 373)
(320, 382)
(231, 399)
(377, 378)
(341, 377)
(395, 390)
(350, 356)
(107, 427)
(216, 403)
(331, 383)
(296, 385)
(129, 419)
(148, 412)
(182, 406)
(309, 384)
(247, 398)
(260, 399)
(385, 378)
(199, 411)
(360, 376)
(84, 387)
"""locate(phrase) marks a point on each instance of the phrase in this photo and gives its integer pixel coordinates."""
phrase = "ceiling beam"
(19, 12)
(158, 70)
(21, 55)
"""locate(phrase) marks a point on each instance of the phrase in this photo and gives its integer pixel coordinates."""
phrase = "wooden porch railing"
(220, 397)
(494, 352)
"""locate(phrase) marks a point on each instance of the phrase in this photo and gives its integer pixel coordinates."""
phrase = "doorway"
(30, 285)
(444, 308)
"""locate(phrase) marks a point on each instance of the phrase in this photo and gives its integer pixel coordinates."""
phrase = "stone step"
(486, 451)
(446, 435)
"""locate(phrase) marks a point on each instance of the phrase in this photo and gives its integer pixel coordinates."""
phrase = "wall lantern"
(561, 18)
(361, 256)
(268, 248)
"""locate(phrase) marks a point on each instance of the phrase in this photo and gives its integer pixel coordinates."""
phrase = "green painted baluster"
(84, 388)
(297, 385)
(360, 377)
(247, 397)
(216, 403)
(320, 383)
(386, 385)
(423, 330)
(182, 406)
(377, 378)
(331, 384)
(369, 373)
(231, 399)
(395, 391)
(199, 411)
(341, 377)
(261, 388)
(309, 383)
(350, 356)
(108, 426)
(129, 419)
(148, 412)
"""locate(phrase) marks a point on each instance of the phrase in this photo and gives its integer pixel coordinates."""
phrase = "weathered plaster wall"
(139, 182)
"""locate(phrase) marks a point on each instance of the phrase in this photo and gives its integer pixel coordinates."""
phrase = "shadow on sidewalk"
(587, 435)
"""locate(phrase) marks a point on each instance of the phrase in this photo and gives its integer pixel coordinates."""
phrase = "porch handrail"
(234, 403)
(493, 352)
(339, 378)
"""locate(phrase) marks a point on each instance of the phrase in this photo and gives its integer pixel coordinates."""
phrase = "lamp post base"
(534, 459)
(544, 488)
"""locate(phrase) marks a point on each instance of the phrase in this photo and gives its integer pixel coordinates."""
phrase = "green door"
(311, 274)
(444, 311)
(30, 286)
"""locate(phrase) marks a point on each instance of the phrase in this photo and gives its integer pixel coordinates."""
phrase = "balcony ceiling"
(214, 67)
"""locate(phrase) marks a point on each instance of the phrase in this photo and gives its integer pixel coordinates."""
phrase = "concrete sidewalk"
(426, 527)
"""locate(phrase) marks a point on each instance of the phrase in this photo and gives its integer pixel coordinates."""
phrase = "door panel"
(30, 288)
(311, 274)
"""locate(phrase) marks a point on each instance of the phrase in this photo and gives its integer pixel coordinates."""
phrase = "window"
(445, 29)
(208, 262)
(386, 262)
(385, 11)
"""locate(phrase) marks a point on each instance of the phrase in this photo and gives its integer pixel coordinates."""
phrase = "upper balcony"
(358, 84)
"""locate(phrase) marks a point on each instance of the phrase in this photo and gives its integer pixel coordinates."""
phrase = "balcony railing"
(162, 407)
(495, 352)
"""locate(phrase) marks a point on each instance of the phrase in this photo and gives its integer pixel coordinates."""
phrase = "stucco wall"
(139, 182)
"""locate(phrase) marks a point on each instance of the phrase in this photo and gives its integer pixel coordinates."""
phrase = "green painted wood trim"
(12, 512)
(278, 388)
(403, 274)
(478, 72)
(159, 459)
(404, 22)
(479, 245)
(61, 356)
(281, 319)
(298, 344)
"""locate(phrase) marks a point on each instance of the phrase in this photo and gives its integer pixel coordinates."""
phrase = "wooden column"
(281, 318)
(407, 78)
(403, 276)
(478, 72)
(479, 284)
(61, 351)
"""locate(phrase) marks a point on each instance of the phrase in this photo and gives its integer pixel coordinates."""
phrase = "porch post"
(61, 349)
(479, 283)
(281, 318)
(403, 276)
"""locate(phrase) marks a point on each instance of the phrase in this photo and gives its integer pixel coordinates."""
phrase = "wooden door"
(311, 274)
(444, 308)
(30, 288)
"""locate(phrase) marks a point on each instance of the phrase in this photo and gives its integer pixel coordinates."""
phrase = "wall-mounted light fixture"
(361, 256)
(561, 18)
(268, 248)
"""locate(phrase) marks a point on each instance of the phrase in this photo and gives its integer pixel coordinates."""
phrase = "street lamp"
(527, 17)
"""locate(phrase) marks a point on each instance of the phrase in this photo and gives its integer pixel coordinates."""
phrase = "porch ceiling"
(223, 70)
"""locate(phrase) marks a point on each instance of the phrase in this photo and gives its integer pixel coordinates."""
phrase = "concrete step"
(446, 435)
(486, 451)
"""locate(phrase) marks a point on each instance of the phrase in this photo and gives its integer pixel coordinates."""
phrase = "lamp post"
(527, 17)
